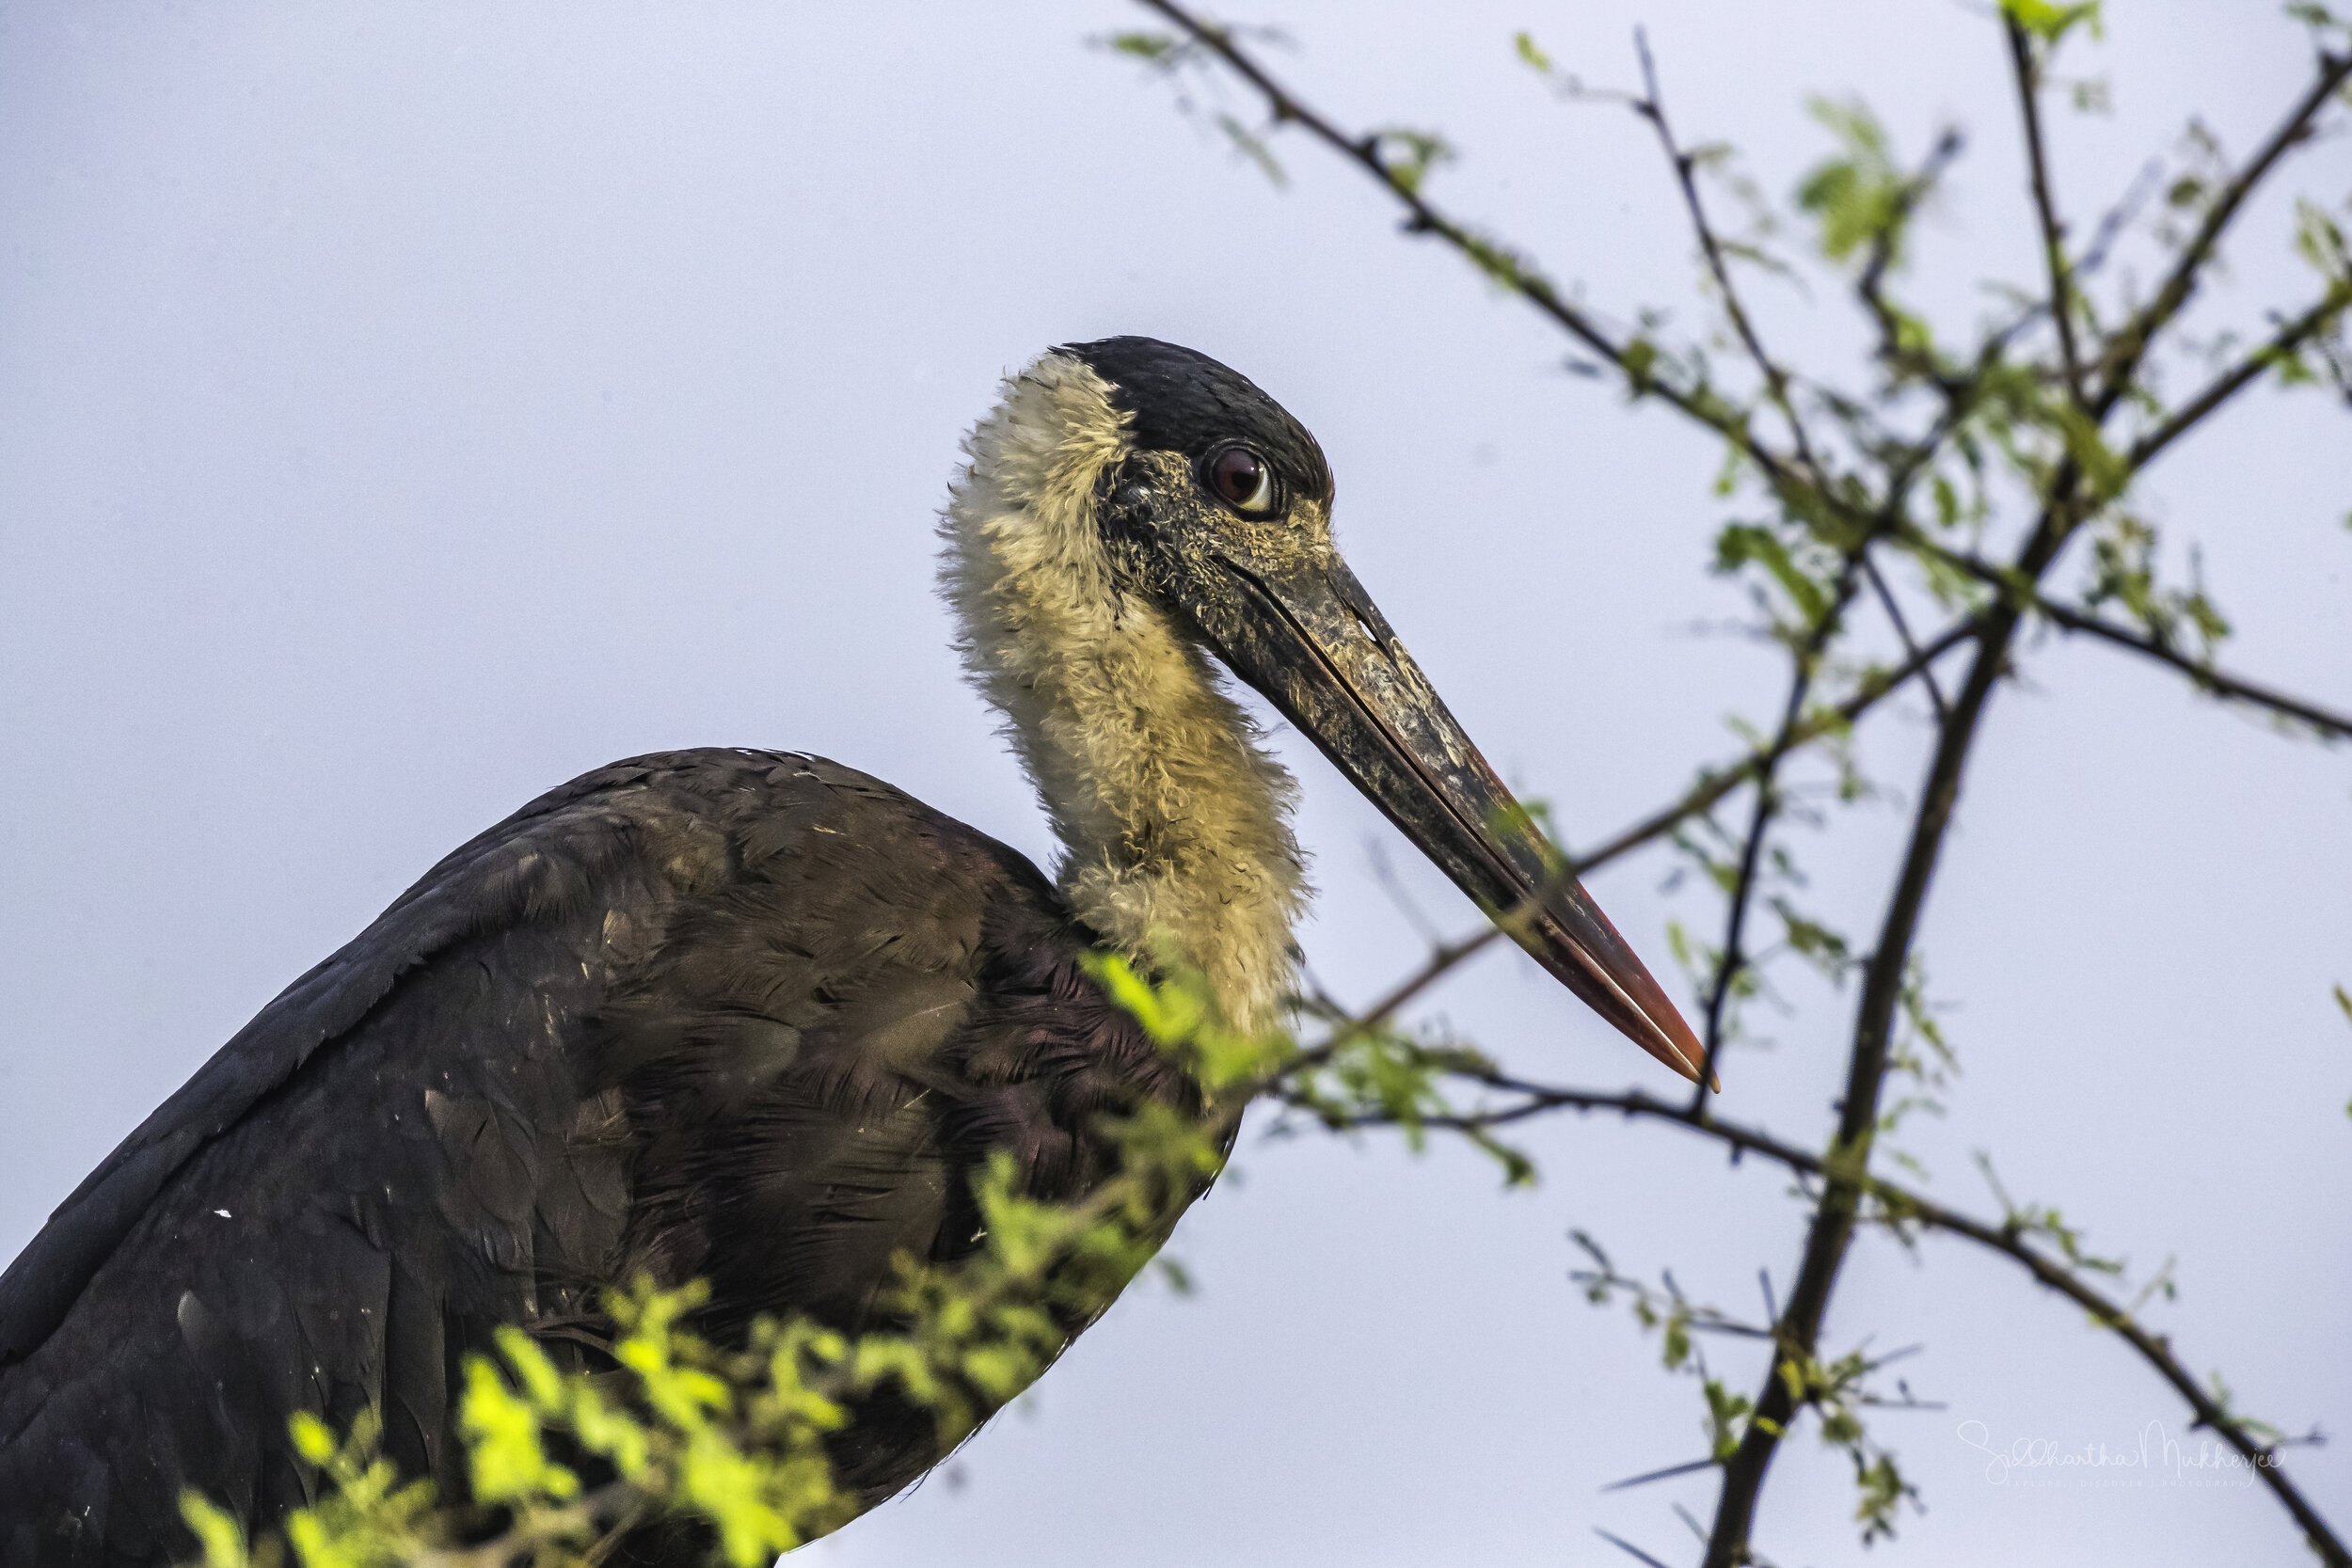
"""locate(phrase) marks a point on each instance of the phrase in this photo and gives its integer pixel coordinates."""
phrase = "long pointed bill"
(1315, 644)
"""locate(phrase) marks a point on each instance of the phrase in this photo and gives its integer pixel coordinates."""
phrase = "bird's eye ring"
(1241, 480)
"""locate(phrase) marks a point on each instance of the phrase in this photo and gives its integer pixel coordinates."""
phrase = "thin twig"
(1716, 783)
(1652, 108)
(2291, 336)
(2218, 682)
(1903, 631)
(2129, 346)
(1734, 958)
(2208, 678)
(2029, 76)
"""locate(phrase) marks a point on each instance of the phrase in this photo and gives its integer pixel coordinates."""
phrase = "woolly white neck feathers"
(1173, 820)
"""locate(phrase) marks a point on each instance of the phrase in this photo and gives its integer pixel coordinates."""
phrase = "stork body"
(744, 1016)
(753, 1016)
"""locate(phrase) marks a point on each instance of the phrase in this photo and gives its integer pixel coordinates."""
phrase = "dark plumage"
(742, 1015)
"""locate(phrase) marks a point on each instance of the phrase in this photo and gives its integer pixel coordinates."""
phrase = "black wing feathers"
(747, 1016)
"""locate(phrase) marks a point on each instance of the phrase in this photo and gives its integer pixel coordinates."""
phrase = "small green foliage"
(1188, 66)
(1828, 951)
(2032, 1221)
(2319, 240)
(1837, 1392)
(2343, 999)
(735, 1437)
(2050, 22)
(2225, 1399)
(503, 1438)
(220, 1540)
(1158, 49)
(2123, 554)
(1728, 1415)
(2320, 20)
(1639, 359)
(1182, 1016)
(1803, 575)
(368, 1520)
(1858, 196)
(1409, 155)
(1920, 1049)
(1882, 1489)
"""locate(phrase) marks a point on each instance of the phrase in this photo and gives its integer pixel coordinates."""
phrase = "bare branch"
(1903, 631)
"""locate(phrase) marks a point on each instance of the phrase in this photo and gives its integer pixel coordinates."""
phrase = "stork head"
(1169, 491)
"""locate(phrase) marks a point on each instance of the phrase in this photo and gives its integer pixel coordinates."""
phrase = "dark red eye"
(1241, 480)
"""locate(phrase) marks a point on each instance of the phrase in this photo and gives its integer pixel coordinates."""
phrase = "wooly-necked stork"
(753, 1016)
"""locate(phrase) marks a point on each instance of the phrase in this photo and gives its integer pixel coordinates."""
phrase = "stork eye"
(1241, 480)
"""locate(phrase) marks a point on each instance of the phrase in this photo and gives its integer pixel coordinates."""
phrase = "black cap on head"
(1184, 402)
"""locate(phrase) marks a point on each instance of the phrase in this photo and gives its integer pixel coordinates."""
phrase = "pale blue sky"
(405, 407)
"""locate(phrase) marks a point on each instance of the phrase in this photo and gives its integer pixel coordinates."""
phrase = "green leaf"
(1741, 544)
(311, 1438)
(1676, 1348)
(1529, 53)
(509, 1464)
(1639, 355)
(216, 1532)
(1157, 48)
(1858, 196)
(2050, 23)
(1252, 146)
(1408, 155)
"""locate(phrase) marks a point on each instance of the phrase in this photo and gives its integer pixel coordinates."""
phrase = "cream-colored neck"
(1174, 822)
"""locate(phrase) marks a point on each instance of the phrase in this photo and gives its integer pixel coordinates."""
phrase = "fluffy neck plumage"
(1173, 820)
